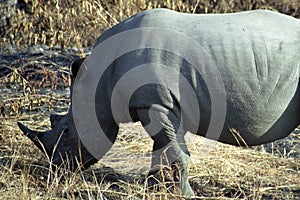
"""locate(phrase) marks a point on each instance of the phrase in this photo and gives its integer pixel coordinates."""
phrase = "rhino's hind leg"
(163, 127)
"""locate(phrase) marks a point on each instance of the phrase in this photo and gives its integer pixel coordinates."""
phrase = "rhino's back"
(256, 53)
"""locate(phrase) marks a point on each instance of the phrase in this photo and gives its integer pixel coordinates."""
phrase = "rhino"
(247, 84)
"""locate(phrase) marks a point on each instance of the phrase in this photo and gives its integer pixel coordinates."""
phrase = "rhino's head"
(61, 144)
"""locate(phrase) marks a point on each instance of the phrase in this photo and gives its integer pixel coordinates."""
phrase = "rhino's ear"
(75, 65)
(54, 119)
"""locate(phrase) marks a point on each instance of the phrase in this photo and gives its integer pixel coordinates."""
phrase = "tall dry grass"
(79, 22)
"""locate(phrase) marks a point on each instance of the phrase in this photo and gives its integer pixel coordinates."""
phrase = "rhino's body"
(256, 53)
(257, 56)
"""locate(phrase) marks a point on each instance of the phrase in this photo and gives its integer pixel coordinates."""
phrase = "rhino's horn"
(35, 136)
(54, 119)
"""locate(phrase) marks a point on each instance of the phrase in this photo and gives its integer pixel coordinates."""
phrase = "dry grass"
(79, 22)
(31, 88)
(225, 173)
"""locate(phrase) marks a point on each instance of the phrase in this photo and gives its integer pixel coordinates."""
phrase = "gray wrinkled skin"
(257, 54)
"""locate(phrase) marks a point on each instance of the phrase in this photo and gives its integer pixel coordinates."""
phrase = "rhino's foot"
(163, 179)
(169, 180)
(181, 172)
(187, 191)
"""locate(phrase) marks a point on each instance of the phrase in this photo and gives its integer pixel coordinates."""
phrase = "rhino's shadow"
(108, 174)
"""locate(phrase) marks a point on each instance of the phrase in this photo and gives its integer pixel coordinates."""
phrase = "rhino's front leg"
(163, 127)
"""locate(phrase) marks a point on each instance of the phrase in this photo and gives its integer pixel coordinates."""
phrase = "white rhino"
(255, 53)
